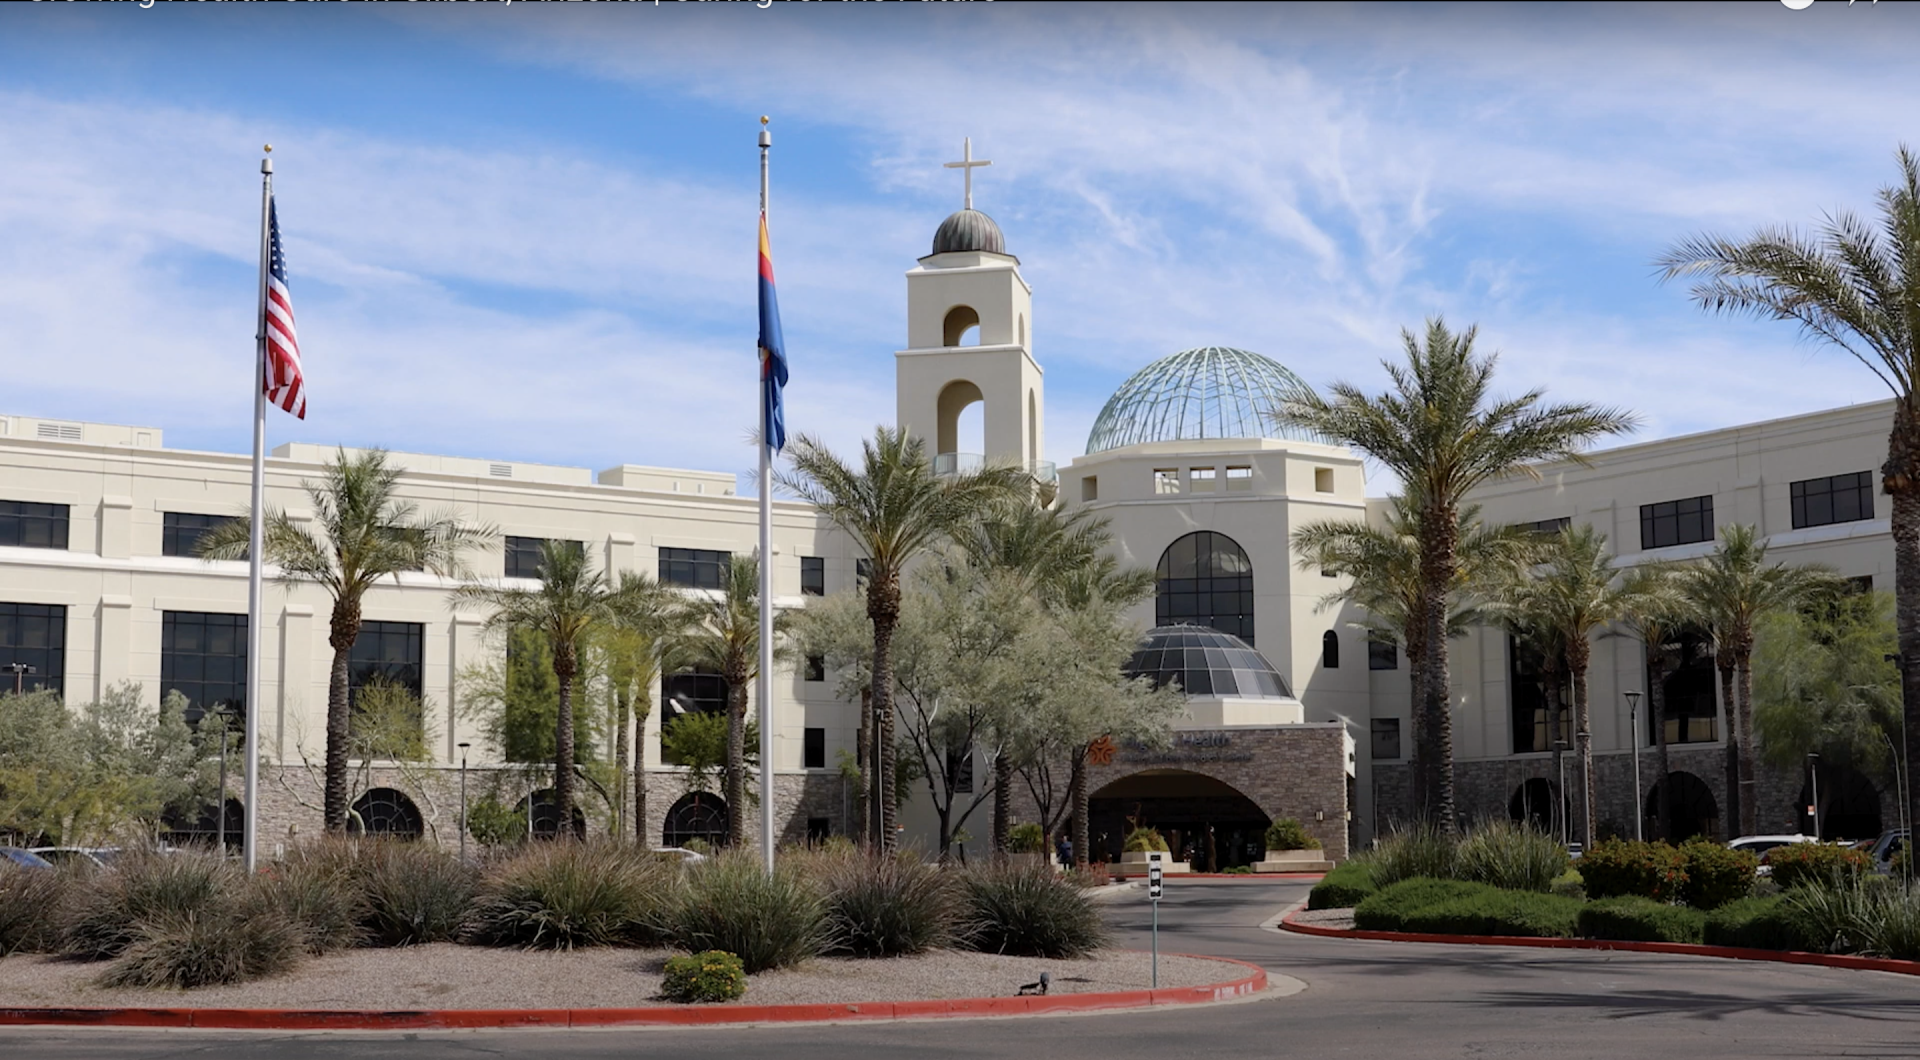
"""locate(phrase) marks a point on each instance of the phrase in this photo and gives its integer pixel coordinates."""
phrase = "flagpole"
(764, 688)
(256, 546)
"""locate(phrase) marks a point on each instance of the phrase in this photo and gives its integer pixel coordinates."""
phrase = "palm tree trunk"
(563, 748)
(1657, 709)
(1583, 736)
(883, 607)
(736, 782)
(1735, 811)
(1077, 798)
(1002, 803)
(1556, 724)
(621, 738)
(1743, 692)
(642, 710)
(869, 776)
(1901, 482)
(344, 630)
(1440, 533)
(1419, 768)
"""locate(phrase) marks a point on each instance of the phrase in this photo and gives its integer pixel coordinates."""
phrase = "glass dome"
(1210, 392)
(1206, 662)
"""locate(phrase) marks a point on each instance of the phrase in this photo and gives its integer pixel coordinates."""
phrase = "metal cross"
(966, 166)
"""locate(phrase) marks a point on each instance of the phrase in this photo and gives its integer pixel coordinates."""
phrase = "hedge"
(1620, 867)
(1345, 887)
(1801, 864)
(1759, 924)
(1635, 919)
(1715, 874)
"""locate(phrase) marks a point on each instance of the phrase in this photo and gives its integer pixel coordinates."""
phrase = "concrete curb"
(652, 1015)
(1826, 960)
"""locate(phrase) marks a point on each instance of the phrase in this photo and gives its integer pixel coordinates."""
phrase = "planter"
(1295, 861)
(1134, 863)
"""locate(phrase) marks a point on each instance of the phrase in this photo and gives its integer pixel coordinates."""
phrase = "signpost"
(1153, 895)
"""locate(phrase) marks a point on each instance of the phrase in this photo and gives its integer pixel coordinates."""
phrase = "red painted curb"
(652, 1015)
(1688, 949)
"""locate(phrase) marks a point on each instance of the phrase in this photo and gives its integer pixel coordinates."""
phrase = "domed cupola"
(1199, 394)
(968, 230)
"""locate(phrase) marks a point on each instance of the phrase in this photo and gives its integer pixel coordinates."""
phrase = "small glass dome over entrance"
(1205, 393)
(1206, 662)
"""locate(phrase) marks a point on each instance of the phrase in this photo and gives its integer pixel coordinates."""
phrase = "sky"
(527, 232)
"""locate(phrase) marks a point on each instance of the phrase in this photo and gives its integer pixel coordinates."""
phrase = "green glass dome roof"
(1205, 393)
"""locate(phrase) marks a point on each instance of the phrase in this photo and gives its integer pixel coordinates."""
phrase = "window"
(1837, 499)
(204, 658)
(1545, 527)
(1330, 650)
(1672, 523)
(30, 525)
(813, 749)
(1166, 480)
(1690, 685)
(813, 576)
(816, 668)
(1200, 479)
(390, 650)
(695, 691)
(1860, 585)
(386, 812)
(1239, 479)
(1386, 738)
(819, 829)
(523, 555)
(1090, 488)
(1323, 480)
(1527, 699)
(181, 532)
(1206, 579)
(694, 568)
(1383, 655)
(33, 647)
(863, 569)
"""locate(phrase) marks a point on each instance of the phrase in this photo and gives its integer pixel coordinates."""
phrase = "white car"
(682, 854)
(1760, 844)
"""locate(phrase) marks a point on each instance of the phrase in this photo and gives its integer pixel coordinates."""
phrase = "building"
(1301, 716)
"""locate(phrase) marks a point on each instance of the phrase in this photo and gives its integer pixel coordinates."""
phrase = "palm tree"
(1854, 286)
(644, 618)
(1657, 613)
(363, 532)
(1382, 565)
(1089, 606)
(1443, 433)
(1730, 590)
(723, 634)
(895, 508)
(572, 599)
(1570, 595)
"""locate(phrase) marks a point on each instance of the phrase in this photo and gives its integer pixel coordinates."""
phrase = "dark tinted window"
(1672, 523)
(1544, 527)
(1205, 579)
(694, 568)
(1386, 738)
(1330, 650)
(814, 748)
(813, 576)
(1383, 655)
(393, 650)
(523, 555)
(816, 668)
(204, 658)
(1836, 499)
(181, 532)
(33, 637)
(30, 525)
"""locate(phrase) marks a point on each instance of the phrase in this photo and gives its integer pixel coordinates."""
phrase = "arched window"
(1330, 650)
(960, 320)
(387, 813)
(1206, 579)
(546, 817)
(1694, 811)
(200, 826)
(698, 815)
(955, 399)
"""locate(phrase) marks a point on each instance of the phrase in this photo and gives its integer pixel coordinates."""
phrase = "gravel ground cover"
(445, 976)
(1326, 918)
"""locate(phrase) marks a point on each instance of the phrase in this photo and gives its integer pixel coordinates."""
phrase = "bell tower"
(969, 325)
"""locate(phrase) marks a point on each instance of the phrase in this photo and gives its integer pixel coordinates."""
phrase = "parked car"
(1761, 844)
(99, 857)
(682, 855)
(1891, 842)
(24, 858)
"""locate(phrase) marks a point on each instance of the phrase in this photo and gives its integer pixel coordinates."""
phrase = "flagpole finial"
(268, 149)
(766, 138)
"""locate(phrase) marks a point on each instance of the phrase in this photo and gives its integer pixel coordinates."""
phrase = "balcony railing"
(1042, 471)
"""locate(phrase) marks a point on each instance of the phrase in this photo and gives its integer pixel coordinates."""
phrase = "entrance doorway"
(1206, 822)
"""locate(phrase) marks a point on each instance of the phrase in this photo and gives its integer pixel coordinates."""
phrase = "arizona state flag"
(773, 353)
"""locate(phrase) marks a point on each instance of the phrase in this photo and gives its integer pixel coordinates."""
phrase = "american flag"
(286, 384)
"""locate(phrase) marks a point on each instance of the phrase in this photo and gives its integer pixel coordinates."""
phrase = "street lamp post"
(1633, 724)
(463, 801)
(223, 711)
(1813, 781)
(1560, 796)
(20, 672)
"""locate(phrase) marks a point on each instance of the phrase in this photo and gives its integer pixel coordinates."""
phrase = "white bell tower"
(969, 325)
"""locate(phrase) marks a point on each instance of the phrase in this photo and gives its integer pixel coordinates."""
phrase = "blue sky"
(526, 231)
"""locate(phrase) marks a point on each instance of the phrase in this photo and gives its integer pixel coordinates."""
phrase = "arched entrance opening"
(546, 817)
(386, 813)
(1849, 805)
(1694, 811)
(1207, 823)
(200, 826)
(698, 815)
(1532, 805)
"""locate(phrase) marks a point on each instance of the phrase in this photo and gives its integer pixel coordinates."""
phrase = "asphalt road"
(1362, 999)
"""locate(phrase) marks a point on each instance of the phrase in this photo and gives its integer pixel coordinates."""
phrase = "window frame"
(1378, 730)
(54, 520)
(174, 539)
(813, 747)
(1803, 496)
(704, 568)
(49, 660)
(1382, 654)
(174, 625)
(1699, 520)
(813, 576)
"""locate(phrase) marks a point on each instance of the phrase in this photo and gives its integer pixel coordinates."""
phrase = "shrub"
(1343, 888)
(231, 943)
(414, 892)
(1825, 864)
(494, 823)
(1759, 924)
(1624, 868)
(1889, 922)
(1632, 918)
(887, 906)
(103, 919)
(1388, 910)
(1510, 856)
(1569, 884)
(1141, 840)
(1716, 875)
(315, 887)
(711, 976)
(1025, 839)
(1900, 866)
(565, 895)
(730, 903)
(1026, 910)
(1498, 912)
(1289, 834)
(31, 901)
(1414, 852)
